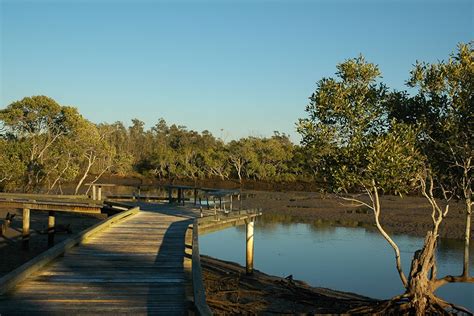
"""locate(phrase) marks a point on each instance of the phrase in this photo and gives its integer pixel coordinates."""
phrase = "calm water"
(347, 259)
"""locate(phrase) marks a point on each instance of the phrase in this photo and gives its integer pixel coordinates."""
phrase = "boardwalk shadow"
(171, 255)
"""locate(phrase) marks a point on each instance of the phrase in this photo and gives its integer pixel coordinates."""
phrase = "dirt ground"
(11, 253)
(408, 215)
(230, 291)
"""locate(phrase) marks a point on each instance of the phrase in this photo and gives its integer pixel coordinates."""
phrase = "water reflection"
(352, 258)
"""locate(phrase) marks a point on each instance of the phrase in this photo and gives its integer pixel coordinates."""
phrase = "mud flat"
(409, 215)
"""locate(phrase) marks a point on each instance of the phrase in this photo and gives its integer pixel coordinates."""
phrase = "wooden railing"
(222, 220)
(198, 290)
(192, 264)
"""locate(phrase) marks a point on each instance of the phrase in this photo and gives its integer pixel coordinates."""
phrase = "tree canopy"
(364, 138)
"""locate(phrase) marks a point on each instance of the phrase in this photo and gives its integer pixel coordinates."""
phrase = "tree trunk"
(90, 162)
(419, 288)
(60, 175)
(467, 234)
(97, 178)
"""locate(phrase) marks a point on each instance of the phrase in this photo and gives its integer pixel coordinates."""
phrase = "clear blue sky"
(236, 68)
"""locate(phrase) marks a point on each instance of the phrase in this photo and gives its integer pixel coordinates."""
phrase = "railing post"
(99, 193)
(51, 224)
(26, 229)
(249, 256)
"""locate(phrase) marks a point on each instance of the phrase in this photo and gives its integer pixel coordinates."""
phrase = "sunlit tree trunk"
(467, 190)
(90, 161)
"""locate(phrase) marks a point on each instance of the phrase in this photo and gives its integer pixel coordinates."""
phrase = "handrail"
(219, 216)
(199, 292)
(10, 280)
(192, 241)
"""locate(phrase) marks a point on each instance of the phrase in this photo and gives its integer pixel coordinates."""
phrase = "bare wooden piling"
(26, 229)
(51, 224)
(249, 256)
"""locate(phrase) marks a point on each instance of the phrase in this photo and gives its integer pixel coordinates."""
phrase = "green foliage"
(393, 160)
(39, 124)
(443, 111)
(349, 138)
(12, 165)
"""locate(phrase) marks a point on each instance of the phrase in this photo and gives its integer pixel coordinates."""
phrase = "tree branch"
(452, 279)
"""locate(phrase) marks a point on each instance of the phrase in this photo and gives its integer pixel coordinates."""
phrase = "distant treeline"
(44, 144)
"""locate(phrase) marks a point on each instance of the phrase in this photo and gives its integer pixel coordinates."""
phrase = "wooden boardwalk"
(133, 267)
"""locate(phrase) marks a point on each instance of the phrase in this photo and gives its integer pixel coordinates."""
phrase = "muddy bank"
(408, 215)
(214, 182)
(11, 252)
(230, 291)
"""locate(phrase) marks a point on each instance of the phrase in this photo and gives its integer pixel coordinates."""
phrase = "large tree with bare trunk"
(38, 124)
(361, 147)
(448, 90)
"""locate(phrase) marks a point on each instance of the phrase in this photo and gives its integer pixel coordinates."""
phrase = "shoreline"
(230, 291)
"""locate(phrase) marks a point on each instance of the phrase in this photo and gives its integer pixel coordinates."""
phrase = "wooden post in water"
(239, 197)
(26, 229)
(180, 193)
(249, 256)
(51, 224)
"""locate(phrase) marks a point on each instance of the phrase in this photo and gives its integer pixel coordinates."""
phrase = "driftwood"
(229, 290)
